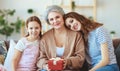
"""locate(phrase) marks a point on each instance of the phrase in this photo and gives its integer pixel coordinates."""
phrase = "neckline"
(33, 40)
(55, 39)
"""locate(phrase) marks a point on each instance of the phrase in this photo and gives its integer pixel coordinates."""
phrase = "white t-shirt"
(59, 51)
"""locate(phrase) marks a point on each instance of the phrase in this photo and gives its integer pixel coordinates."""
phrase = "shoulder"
(101, 29)
(22, 41)
(21, 44)
(47, 34)
(73, 33)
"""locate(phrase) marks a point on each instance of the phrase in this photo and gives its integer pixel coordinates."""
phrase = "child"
(100, 49)
(27, 48)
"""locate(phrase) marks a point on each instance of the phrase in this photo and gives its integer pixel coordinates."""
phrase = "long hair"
(87, 25)
(33, 18)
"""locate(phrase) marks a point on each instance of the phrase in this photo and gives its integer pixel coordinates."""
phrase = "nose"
(34, 30)
(55, 20)
(72, 25)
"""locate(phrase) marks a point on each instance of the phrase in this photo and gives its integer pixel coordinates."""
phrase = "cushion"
(3, 51)
(2, 68)
(1, 59)
(9, 56)
(116, 42)
(117, 53)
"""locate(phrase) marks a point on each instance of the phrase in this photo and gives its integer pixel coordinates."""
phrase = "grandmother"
(61, 42)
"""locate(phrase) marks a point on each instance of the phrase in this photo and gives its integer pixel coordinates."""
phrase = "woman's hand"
(91, 70)
(47, 69)
(64, 61)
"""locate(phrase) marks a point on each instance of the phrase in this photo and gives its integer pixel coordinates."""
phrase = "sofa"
(116, 44)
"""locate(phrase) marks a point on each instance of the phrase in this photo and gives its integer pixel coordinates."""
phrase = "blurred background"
(13, 14)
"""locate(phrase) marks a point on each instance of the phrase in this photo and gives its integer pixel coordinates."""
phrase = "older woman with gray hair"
(61, 42)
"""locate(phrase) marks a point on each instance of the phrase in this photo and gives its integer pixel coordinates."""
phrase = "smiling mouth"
(75, 26)
(57, 24)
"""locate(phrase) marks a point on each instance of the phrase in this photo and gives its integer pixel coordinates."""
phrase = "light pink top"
(29, 56)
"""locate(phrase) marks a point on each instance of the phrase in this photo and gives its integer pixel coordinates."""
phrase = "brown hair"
(87, 25)
(33, 18)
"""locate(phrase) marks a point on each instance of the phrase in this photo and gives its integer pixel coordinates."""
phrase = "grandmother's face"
(56, 20)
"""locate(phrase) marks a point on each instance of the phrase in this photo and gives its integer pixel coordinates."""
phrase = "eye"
(31, 28)
(68, 26)
(50, 19)
(36, 27)
(71, 21)
(57, 17)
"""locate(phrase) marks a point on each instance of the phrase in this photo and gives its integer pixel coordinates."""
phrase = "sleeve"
(20, 46)
(77, 59)
(102, 35)
(42, 60)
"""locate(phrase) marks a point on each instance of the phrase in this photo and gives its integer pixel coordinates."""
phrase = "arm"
(15, 59)
(105, 57)
(42, 60)
(77, 58)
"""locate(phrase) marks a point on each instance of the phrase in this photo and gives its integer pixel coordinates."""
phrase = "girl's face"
(34, 29)
(56, 20)
(73, 24)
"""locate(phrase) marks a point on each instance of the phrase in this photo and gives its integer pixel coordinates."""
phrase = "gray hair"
(53, 8)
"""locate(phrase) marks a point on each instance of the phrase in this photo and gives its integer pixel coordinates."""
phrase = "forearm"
(16, 59)
(105, 57)
(42, 62)
(74, 62)
(99, 65)
(14, 65)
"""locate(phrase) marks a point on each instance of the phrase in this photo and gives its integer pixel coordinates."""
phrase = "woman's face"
(56, 20)
(73, 24)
